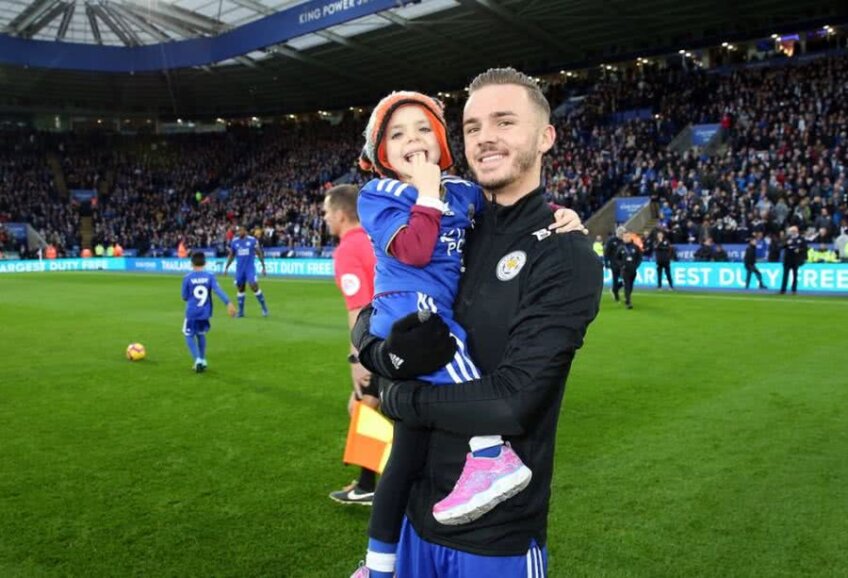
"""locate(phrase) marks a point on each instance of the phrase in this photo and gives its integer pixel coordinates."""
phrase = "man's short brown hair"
(343, 198)
(503, 76)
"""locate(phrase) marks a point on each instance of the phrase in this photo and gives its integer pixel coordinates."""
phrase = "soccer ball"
(136, 352)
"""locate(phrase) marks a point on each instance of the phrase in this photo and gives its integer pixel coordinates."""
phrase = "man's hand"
(426, 176)
(225, 271)
(418, 344)
(351, 403)
(361, 378)
(264, 272)
(567, 221)
(231, 309)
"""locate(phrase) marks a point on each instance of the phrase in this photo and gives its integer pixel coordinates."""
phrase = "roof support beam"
(194, 17)
(421, 29)
(109, 8)
(92, 21)
(373, 53)
(29, 15)
(246, 61)
(311, 61)
(66, 21)
(142, 23)
(179, 19)
(525, 6)
(257, 7)
(102, 13)
(45, 19)
(520, 26)
(183, 29)
(186, 17)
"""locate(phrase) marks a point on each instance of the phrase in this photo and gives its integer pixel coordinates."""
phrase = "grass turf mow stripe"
(702, 435)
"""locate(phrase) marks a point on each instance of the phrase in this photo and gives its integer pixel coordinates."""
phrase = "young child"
(416, 219)
(197, 288)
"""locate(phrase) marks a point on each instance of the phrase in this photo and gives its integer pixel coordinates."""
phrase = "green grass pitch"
(702, 435)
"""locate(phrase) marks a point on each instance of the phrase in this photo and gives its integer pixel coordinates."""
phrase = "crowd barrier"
(275, 267)
(815, 277)
(736, 251)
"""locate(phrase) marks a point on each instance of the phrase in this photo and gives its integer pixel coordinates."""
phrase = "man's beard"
(523, 162)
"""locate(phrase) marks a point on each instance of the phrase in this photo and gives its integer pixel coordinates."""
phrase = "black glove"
(418, 344)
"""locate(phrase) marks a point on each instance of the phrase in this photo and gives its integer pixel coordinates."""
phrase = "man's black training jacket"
(526, 298)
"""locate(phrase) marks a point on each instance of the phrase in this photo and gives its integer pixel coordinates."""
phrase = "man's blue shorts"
(193, 327)
(417, 558)
(246, 277)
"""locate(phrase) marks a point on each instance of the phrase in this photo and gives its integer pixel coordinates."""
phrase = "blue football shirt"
(244, 251)
(384, 208)
(198, 287)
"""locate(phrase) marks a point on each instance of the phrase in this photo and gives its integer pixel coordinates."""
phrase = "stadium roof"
(140, 22)
(430, 45)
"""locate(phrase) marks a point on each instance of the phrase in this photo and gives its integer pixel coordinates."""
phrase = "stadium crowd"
(28, 193)
(783, 162)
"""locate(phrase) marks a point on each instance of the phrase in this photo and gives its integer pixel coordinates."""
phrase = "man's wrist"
(397, 401)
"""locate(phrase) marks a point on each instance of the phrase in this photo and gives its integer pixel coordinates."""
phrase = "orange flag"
(369, 439)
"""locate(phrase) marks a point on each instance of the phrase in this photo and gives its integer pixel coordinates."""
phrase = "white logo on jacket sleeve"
(510, 265)
(542, 234)
(350, 284)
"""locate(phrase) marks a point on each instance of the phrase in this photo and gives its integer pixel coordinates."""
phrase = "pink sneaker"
(361, 572)
(484, 483)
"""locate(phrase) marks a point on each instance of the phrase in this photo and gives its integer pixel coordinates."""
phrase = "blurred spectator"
(794, 255)
(842, 245)
(706, 252)
(750, 261)
(663, 253)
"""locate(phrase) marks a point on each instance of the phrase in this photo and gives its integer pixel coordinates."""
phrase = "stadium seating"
(782, 162)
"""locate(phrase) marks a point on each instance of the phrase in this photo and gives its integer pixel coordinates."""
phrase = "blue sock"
(380, 558)
(192, 347)
(491, 452)
(241, 303)
(201, 346)
(261, 298)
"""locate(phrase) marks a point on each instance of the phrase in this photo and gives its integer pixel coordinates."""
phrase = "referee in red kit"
(354, 263)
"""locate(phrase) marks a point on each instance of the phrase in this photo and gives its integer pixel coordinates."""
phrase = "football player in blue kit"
(243, 248)
(198, 287)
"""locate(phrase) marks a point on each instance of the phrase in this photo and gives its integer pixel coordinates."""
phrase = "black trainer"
(353, 494)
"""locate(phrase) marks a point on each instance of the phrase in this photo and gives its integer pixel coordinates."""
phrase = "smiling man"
(526, 299)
